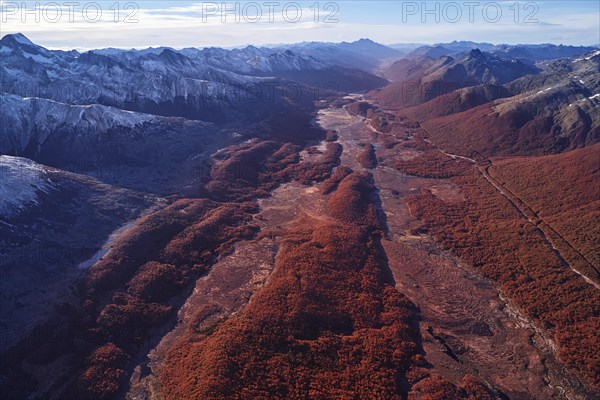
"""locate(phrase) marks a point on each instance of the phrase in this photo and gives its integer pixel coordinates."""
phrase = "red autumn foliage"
(328, 323)
(104, 370)
(156, 282)
(564, 190)
(515, 131)
(359, 108)
(108, 355)
(243, 162)
(431, 164)
(388, 141)
(457, 101)
(309, 172)
(331, 136)
(127, 318)
(322, 327)
(368, 158)
(142, 243)
(214, 233)
(331, 184)
(352, 202)
(381, 121)
(166, 250)
(133, 289)
(487, 232)
(436, 387)
(254, 169)
(196, 232)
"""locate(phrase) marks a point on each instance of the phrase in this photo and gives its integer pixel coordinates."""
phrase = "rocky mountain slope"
(526, 53)
(51, 222)
(401, 244)
(419, 80)
(553, 111)
(210, 84)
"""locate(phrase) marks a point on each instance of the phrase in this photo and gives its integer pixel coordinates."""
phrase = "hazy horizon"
(282, 44)
(180, 24)
(316, 216)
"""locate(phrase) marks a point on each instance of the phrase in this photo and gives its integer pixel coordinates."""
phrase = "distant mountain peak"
(362, 42)
(171, 55)
(167, 51)
(476, 53)
(17, 38)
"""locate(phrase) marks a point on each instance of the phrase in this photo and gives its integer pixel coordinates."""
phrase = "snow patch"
(38, 57)
(19, 38)
(545, 90)
(592, 55)
(21, 180)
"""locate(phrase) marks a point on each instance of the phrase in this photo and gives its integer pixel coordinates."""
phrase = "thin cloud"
(186, 26)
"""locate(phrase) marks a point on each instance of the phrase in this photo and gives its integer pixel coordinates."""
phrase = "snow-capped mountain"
(363, 53)
(253, 60)
(478, 67)
(581, 71)
(553, 111)
(113, 107)
(418, 80)
(209, 84)
(142, 83)
(527, 53)
(21, 180)
(50, 221)
(136, 150)
(206, 84)
(28, 122)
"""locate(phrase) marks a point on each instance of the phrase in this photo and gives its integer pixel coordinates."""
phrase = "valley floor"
(368, 264)
(466, 324)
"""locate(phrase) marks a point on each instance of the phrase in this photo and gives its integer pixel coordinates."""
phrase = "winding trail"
(543, 228)
(467, 327)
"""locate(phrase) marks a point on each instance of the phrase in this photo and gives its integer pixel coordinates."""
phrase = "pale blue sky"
(199, 24)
